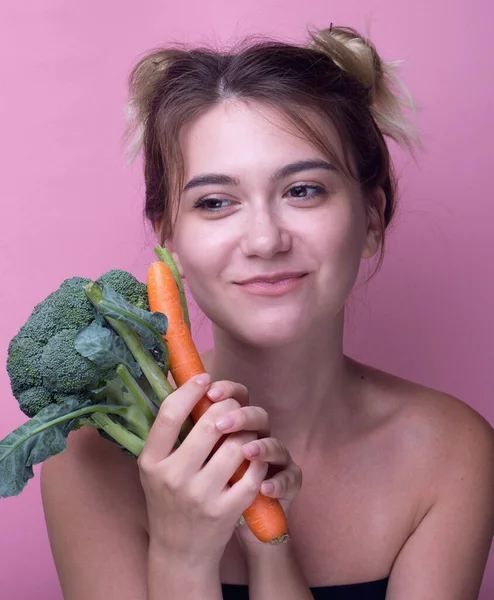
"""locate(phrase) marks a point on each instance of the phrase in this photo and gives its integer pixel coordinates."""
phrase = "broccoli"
(90, 354)
(39, 355)
(23, 364)
(32, 400)
(128, 286)
(65, 370)
(66, 307)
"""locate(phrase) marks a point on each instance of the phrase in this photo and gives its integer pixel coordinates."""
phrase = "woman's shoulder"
(92, 472)
(95, 515)
(439, 426)
(442, 454)
(417, 399)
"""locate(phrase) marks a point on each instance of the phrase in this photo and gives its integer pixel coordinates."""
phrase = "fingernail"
(267, 488)
(214, 393)
(252, 450)
(224, 422)
(203, 379)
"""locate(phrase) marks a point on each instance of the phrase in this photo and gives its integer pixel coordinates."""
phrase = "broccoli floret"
(23, 364)
(34, 399)
(127, 285)
(67, 306)
(66, 371)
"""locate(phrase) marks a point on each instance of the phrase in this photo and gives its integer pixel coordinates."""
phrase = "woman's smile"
(273, 288)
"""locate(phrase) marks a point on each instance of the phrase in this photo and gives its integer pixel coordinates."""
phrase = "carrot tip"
(241, 522)
(282, 539)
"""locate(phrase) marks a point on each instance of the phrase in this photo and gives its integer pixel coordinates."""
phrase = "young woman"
(268, 177)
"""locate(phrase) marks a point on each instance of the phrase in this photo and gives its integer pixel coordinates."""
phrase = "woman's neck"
(304, 386)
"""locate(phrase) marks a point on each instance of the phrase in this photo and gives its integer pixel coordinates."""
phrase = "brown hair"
(338, 76)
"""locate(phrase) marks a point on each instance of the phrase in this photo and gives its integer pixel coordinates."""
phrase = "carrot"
(164, 255)
(184, 360)
(265, 516)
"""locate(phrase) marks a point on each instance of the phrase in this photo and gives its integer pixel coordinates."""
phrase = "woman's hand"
(192, 511)
(284, 476)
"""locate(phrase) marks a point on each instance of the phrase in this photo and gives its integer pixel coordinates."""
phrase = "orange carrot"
(184, 360)
(265, 516)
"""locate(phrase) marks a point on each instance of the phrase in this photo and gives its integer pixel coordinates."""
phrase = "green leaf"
(105, 348)
(149, 326)
(41, 437)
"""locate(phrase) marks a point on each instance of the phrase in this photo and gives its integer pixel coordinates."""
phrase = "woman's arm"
(274, 573)
(445, 557)
(96, 518)
(169, 580)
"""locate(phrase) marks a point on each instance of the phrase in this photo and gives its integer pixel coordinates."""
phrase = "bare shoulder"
(445, 451)
(438, 427)
(93, 469)
(96, 519)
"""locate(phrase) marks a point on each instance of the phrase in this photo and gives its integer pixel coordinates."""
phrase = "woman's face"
(310, 221)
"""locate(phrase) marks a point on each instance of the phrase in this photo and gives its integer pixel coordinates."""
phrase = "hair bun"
(388, 97)
(144, 82)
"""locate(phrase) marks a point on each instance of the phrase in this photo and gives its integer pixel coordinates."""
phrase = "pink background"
(71, 206)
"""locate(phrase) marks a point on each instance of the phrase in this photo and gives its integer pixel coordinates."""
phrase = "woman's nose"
(265, 236)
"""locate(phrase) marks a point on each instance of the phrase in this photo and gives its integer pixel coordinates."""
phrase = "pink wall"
(70, 206)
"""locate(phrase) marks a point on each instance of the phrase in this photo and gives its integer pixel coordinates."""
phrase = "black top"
(370, 590)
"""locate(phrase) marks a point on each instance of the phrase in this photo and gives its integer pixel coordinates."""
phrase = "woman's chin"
(271, 334)
(267, 327)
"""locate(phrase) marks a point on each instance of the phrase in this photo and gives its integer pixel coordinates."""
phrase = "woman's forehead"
(239, 134)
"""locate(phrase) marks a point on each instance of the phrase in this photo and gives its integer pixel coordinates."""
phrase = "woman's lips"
(272, 288)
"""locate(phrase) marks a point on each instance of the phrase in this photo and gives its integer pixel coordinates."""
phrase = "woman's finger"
(170, 418)
(268, 449)
(243, 492)
(219, 390)
(248, 418)
(286, 484)
(203, 438)
(219, 469)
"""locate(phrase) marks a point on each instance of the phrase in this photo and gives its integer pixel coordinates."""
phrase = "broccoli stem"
(123, 436)
(137, 393)
(134, 418)
(165, 256)
(150, 368)
(155, 376)
(136, 421)
(96, 296)
(88, 423)
(159, 383)
(141, 399)
(91, 410)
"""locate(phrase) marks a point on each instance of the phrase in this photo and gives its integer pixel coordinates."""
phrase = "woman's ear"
(375, 218)
(157, 228)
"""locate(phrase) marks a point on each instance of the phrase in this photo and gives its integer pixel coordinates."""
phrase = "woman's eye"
(215, 205)
(301, 191)
(210, 204)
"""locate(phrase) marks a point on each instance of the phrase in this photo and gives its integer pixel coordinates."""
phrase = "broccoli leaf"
(44, 435)
(150, 326)
(102, 346)
(99, 319)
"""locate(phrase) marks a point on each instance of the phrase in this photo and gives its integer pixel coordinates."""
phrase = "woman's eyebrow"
(291, 169)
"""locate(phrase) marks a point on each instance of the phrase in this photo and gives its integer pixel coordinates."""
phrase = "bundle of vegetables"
(98, 353)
